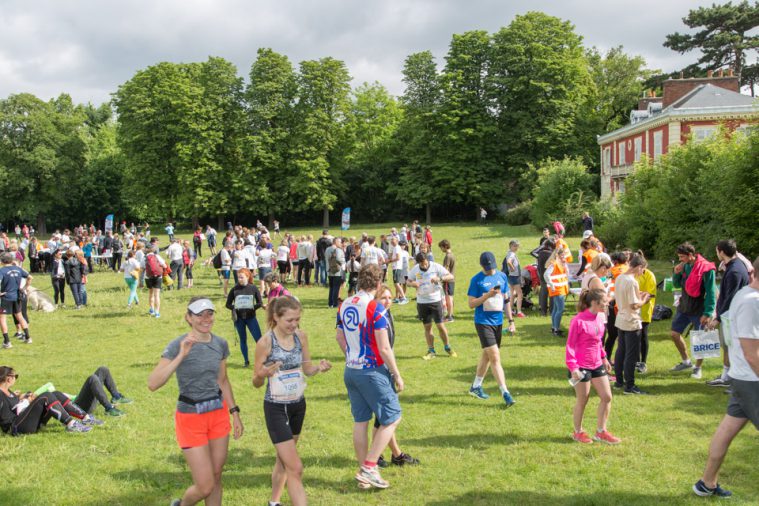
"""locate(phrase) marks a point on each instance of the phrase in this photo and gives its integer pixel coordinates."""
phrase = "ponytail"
(278, 306)
(589, 296)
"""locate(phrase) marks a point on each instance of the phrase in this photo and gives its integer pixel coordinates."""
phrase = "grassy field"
(472, 452)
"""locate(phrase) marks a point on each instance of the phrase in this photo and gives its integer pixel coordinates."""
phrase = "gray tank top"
(291, 359)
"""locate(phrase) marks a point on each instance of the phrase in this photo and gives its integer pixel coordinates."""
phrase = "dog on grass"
(40, 301)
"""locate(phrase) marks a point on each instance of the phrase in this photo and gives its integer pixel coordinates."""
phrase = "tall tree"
(323, 103)
(417, 138)
(541, 82)
(726, 35)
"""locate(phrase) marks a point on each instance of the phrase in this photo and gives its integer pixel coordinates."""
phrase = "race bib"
(287, 386)
(244, 302)
(494, 303)
(427, 288)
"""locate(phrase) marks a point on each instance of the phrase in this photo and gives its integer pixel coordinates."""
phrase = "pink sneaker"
(606, 437)
(520, 315)
(582, 437)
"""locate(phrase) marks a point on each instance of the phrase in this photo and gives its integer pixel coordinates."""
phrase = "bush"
(564, 189)
(519, 214)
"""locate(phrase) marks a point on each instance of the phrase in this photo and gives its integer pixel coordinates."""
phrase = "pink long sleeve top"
(584, 342)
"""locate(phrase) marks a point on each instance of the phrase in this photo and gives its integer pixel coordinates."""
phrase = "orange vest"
(568, 256)
(560, 281)
(616, 270)
(589, 256)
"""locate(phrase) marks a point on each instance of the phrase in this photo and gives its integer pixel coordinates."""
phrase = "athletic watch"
(234, 410)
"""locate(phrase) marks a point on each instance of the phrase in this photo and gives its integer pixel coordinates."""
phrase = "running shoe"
(617, 385)
(121, 400)
(19, 335)
(114, 412)
(641, 367)
(448, 319)
(371, 476)
(403, 301)
(520, 315)
(606, 437)
(582, 437)
(404, 459)
(430, 355)
(702, 490)
(78, 426)
(176, 502)
(508, 399)
(634, 391)
(91, 420)
(718, 382)
(157, 315)
(27, 341)
(363, 486)
(396, 300)
(151, 312)
(682, 366)
(7, 345)
(381, 462)
(696, 374)
(479, 393)
(452, 353)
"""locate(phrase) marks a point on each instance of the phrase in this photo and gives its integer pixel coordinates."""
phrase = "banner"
(109, 223)
(346, 221)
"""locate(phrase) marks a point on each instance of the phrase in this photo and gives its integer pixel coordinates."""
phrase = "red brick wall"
(674, 89)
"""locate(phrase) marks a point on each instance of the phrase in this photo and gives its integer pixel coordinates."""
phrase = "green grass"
(472, 452)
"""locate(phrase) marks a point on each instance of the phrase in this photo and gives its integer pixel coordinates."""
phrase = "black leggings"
(23, 304)
(58, 290)
(47, 405)
(304, 269)
(197, 246)
(644, 342)
(93, 390)
(611, 336)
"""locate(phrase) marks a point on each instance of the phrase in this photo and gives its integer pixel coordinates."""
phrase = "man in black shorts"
(427, 277)
(10, 283)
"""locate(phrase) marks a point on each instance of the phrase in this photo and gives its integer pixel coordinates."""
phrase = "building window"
(701, 133)
(638, 148)
(658, 136)
(621, 148)
(606, 162)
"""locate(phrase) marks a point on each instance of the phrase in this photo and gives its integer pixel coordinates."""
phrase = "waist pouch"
(204, 405)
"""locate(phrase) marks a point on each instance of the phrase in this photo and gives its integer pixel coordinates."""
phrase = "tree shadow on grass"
(482, 441)
(525, 497)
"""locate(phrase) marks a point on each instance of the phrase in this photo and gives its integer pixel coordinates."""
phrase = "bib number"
(287, 386)
(244, 302)
(494, 303)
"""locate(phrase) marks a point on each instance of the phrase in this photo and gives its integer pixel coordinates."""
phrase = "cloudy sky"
(88, 48)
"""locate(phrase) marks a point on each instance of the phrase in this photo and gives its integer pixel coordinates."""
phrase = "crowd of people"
(615, 293)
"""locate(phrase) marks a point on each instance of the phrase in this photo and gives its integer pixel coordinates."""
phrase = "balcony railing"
(620, 170)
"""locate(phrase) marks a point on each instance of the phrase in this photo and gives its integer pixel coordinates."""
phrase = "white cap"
(587, 234)
(201, 305)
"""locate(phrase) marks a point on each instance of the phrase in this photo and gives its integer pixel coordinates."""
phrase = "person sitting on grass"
(93, 392)
(26, 413)
(587, 364)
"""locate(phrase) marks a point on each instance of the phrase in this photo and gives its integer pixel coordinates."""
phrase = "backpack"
(661, 313)
(153, 267)
(216, 262)
(334, 267)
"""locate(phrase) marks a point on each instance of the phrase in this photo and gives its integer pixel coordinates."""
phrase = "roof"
(708, 95)
(705, 101)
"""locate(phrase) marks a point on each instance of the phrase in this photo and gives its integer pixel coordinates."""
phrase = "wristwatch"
(234, 410)
(511, 320)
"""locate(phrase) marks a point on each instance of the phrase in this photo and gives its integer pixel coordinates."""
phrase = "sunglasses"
(13, 375)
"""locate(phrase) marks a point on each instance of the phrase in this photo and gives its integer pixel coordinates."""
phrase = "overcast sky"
(88, 48)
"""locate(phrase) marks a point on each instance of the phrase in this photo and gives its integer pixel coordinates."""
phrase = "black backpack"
(216, 262)
(661, 313)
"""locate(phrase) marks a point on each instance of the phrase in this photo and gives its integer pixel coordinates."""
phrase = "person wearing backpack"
(335, 260)
(154, 267)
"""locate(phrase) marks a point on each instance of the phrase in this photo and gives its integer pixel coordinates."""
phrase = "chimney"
(730, 72)
(674, 89)
(710, 73)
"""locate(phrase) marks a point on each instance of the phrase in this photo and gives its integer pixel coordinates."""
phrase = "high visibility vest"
(559, 279)
(568, 257)
(616, 270)
(589, 256)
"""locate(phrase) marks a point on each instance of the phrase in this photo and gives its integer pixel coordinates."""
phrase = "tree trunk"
(428, 209)
(271, 220)
(220, 222)
(195, 222)
(325, 219)
(41, 225)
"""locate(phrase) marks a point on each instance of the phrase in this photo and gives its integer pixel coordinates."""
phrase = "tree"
(323, 103)
(417, 138)
(541, 83)
(724, 38)
(564, 189)
(41, 147)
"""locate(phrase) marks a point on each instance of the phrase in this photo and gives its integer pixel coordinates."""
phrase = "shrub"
(519, 214)
(564, 189)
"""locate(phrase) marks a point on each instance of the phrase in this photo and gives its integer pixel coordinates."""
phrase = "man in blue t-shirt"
(10, 283)
(489, 296)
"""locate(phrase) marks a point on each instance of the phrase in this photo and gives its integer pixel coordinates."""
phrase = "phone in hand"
(497, 287)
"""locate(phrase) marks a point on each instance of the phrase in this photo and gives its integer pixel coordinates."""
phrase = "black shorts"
(490, 335)
(744, 403)
(448, 287)
(10, 306)
(187, 272)
(429, 312)
(598, 372)
(398, 276)
(283, 421)
(153, 283)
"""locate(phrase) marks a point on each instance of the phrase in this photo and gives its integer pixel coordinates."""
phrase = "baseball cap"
(587, 234)
(487, 261)
(201, 305)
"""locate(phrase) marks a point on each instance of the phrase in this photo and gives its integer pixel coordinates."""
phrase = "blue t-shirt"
(10, 281)
(482, 283)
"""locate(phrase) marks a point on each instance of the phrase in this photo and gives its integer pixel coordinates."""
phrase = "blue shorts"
(681, 321)
(371, 392)
(224, 273)
(515, 280)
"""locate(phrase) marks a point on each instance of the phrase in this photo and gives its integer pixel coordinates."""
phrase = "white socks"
(478, 381)
(503, 389)
(725, 370)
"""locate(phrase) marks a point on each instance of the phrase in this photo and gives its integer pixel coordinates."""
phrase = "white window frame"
(700, 133)
(658, 144)
(621, 154)
(638, 150)
(606, 159)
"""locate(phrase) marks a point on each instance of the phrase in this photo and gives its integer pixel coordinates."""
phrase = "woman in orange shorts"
(199, 359)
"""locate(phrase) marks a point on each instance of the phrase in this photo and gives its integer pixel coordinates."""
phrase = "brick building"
(691, 108)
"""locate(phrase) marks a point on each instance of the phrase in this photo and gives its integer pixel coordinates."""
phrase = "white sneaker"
(696, 374)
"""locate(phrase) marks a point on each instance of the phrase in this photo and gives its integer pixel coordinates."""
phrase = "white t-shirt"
(226, 259)
(264, 258)
(372, 255)
(174, 252)
(743, 323)
(428, 292)
(129, 266)
(240, 259)
(283, 253)
(396, 251)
